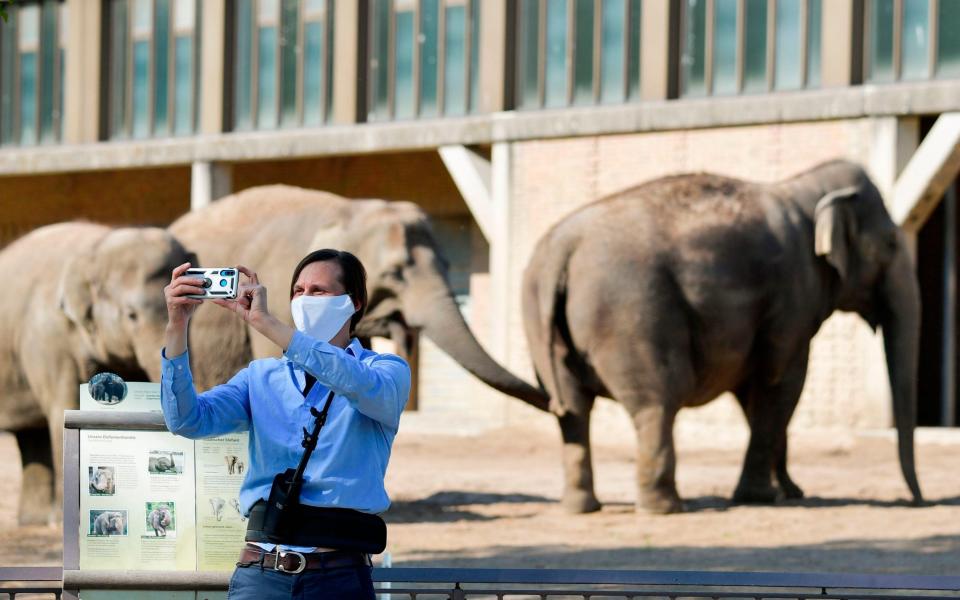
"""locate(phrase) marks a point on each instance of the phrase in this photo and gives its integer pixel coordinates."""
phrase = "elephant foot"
(36, 499)
(755, 494)
(659, 503)
(791, 491)
(580, 502)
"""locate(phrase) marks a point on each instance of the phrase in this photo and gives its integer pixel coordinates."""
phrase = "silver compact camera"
(218, 282)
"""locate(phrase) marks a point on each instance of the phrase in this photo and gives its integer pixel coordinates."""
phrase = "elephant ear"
(76, 294)
(834, 229)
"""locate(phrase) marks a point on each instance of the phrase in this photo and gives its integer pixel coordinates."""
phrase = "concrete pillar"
(209, 181)
(212, 65)
(840, 44)
(659, 21)
(496, 73)
(893, 140)
(501, 184)
(471, 174)
(81, 93)
(350, 63)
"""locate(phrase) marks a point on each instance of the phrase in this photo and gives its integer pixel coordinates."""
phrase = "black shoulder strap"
(310, 438)
(310, 381)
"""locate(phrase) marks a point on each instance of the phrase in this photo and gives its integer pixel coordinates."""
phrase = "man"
(272, 399)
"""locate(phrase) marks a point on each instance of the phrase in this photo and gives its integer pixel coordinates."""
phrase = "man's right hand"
(180, 307)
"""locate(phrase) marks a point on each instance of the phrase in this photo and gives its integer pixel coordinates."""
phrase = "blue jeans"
(342, 583)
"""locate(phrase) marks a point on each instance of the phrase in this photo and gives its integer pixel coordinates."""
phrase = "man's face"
(320, 279)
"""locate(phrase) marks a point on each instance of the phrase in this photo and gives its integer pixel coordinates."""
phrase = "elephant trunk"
(900, 321)
(429, 304)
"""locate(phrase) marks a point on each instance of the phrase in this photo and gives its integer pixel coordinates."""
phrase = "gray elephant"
(101, 481)
(162, 464)
(159, 519)
(670, 293)
(271, 228)
(216, 507)
(81, 298)
(109, 523)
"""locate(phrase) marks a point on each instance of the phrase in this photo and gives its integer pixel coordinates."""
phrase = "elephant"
(82, 298)
(216, 506)
(162, 464)
(160, 518)
(108, 390)
(234, 464)
(668, 294)
(270, 228)
(236, 506)
(101, 481)
(109, 523)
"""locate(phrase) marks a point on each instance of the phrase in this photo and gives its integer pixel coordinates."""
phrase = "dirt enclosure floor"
(491, 501)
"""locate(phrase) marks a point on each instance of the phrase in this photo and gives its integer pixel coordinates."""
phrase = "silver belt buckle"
(281, 554)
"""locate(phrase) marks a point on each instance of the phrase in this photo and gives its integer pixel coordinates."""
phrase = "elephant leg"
(769, 408)
(578, 493)
(37, 491)
(656, 458)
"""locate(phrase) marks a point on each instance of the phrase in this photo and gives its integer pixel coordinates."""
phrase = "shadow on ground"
(448, 506)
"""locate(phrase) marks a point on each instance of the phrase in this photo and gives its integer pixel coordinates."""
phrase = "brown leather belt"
(288, 561)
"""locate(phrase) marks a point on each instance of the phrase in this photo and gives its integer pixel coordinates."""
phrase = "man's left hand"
(251, 302)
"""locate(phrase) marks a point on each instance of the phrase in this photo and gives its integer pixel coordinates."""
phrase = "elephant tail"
(545, 305)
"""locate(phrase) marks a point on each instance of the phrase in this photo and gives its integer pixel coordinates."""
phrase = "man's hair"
(353, 277)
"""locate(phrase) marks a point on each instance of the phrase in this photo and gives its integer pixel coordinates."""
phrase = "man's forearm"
(175, 340)
(274, 330)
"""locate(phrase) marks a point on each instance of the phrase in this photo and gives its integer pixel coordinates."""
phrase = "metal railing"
(460, 584)
(19, 581)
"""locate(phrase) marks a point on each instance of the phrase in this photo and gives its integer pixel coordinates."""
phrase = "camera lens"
(227, 273)
(223, 283)
(206, 282)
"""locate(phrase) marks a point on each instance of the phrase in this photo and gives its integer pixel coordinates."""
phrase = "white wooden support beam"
(926, 177)
(209, 181)
(472, 175)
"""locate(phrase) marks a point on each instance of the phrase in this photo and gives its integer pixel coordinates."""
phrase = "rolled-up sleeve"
(222, 409)
(378, 390)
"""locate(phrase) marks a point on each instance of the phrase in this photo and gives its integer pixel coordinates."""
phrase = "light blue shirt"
(266, 398)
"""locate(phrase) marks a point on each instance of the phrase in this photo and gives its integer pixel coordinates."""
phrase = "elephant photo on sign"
(271, 228)
(108, 522)
(80, 299)
(667, 295)
(101, 481)
(160, 517)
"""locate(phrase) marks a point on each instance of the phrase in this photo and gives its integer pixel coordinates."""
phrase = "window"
(749, 46)
(908, 40)
(423, 58)
(283, 63)
(153, 68)
(577, 52)
(32, 43)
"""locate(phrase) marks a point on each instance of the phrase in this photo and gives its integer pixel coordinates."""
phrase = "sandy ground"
(491, 501)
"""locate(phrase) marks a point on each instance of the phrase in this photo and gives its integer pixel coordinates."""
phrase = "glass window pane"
(313, 45)
(786, 75)
(725, 47)
(555, 86)
(454, 70)
(48, 68)
(161, 74)
(289, 49)
(28, 98)
(755, 47)
(693, 60)
(183, 84)
(8, 52)
(583, 53)
(915, 40)
(814, 21)
(380, 60)
(403, 52)
(633, 51)
(267, 78)
(429, 41)
(948, 44)
(612, 53)
(314, 8)
(880, 32)
(64, 23)
(28, 27)
(474, 55)
(141, 89)
(242, 53)
(529, 43)
(142, 18)
(118, 68)
(267, 12)
(184, 15)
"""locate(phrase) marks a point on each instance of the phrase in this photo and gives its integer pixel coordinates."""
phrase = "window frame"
(441, 111)
(740, 62)
(933, 41)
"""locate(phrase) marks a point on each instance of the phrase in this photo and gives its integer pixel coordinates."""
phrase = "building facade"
(498, 117)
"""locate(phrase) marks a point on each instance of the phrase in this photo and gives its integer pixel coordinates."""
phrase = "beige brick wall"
(846, 383)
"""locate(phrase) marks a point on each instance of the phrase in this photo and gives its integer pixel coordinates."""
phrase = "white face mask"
(321, 317)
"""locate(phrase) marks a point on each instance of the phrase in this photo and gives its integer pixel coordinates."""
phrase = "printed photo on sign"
(107, 388)
(108, 522)
(235, 464)
(165, 462)
(161, 519)
(102, 482)
(220, 509)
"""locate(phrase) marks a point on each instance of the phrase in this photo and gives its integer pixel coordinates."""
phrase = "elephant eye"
(132, 315)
